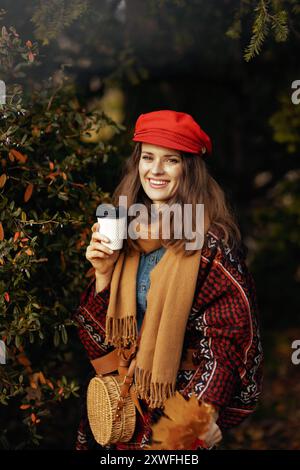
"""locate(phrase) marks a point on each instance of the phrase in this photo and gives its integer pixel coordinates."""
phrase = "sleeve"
(229, 351)
(90, 317)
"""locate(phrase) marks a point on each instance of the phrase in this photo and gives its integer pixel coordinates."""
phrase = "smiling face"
(160, 170)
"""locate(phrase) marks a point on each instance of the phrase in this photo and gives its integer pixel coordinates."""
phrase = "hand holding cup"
(100, 256)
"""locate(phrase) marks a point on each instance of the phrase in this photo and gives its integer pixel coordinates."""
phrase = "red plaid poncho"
(223, 326)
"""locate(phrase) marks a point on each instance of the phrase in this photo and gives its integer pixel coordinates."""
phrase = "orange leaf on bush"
(16, 236)
(33, 384)
(1, 232)
(28, 192)
(3, 179)
(6, 296)
(18, 155)
(42, 378)
(24, 407)
(50, 384)
(52, 176)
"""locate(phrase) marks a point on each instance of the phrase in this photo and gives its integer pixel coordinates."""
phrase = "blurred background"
(78, 74)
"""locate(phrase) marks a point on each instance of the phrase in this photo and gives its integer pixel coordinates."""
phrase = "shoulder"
(216, 250)
(224, 266)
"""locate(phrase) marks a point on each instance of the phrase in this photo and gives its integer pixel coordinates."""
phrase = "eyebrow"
(166, 155)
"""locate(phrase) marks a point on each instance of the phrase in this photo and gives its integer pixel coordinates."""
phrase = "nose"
(157, 168)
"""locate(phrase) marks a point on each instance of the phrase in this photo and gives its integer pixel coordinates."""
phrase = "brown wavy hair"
(197, 186)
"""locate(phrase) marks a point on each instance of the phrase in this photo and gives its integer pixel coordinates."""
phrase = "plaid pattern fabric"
(223, 327)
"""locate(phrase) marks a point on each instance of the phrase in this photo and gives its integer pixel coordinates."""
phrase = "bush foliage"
(48, 196)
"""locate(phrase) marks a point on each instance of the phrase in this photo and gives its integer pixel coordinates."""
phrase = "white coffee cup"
(113, 225)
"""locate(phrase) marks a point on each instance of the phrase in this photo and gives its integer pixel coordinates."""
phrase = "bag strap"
(126, 368)
(110, 362)
(124, 360)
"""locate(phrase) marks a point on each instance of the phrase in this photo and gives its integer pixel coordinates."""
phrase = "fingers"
(95, 227)
(213, 435)
(95, 245)
(100, 246)
(92, 254)
(99, 237)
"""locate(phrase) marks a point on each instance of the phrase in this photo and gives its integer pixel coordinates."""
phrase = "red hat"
(173, 130)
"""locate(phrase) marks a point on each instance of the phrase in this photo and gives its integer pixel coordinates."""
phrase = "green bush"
(48, 197)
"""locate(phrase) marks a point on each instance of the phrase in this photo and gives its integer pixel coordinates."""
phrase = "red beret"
(171, 129)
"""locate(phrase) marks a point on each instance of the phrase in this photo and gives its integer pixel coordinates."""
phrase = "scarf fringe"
(121, 332)
(156, 393)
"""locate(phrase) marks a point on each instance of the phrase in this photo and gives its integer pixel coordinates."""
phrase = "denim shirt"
(147, 263)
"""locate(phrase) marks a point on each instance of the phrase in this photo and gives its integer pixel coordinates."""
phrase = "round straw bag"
(102, 398)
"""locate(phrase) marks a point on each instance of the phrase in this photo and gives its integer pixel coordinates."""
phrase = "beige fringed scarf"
(169, 301)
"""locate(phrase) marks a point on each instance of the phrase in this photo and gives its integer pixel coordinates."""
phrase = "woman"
(200, 298)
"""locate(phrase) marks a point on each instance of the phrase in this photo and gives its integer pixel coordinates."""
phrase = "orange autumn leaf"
(50, 384)
(24, 407)
(186, 421)
(18, 155)
(29, 252)
(28, 44)
(51, 165)
(3, 179)
(16, 236)
(28, 192)
(52, 176)
(1, 232)
(60, 391)
(33, 384)
(64, 176)
(33, 417)
(6, 296)
(42, 378)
